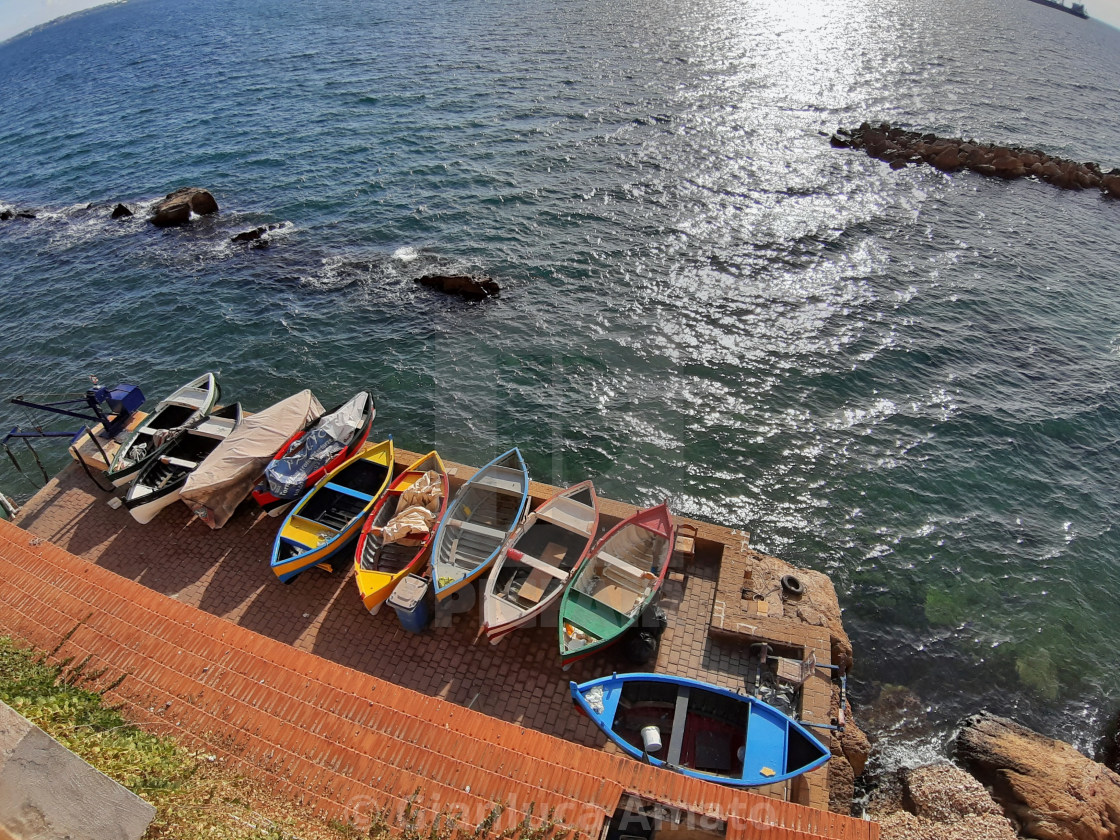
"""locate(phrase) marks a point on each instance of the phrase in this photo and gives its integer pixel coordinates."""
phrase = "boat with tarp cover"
(312, 452)
(698, 729)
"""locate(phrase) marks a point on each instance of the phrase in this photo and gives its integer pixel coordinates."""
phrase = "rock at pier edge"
(900, 147)
(1046, 786)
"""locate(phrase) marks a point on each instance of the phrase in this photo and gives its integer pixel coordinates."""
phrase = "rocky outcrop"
(256, 235)
(899, 148)
(1050, 789)
(942, 802)
(8, 215)
(465, 285)
(177, 207)
(120, 212)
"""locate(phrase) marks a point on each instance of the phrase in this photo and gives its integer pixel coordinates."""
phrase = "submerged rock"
(465, 285)
(1050, 789)
(177, 207)
(121, 212)
(8, 215)
(254, 235)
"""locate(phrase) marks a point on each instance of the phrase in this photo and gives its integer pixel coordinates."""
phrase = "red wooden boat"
(312, 453)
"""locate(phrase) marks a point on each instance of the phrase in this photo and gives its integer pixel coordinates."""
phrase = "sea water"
(904, 379)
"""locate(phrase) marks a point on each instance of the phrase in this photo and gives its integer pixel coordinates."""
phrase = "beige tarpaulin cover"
(418, 506)
(226, 477)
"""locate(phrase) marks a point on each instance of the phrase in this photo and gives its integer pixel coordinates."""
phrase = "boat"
(712, 733)
(482, 515)
(162, 477)
(184, 408)
(331, 513)
(225, 479)
(314, 451)
(398, 532)
(8, 508)
(536, 561)
(1076, 9)
(606, 596)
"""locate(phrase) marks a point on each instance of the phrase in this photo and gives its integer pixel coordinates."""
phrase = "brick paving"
(225, 574)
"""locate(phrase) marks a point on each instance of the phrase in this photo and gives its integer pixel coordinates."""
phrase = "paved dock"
(225, 574)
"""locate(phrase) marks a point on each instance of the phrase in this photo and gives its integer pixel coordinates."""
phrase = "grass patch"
(195, 796)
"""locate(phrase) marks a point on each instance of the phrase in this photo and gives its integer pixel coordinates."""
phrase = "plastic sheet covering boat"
(310, 455)
(226, 477)
(698, 729)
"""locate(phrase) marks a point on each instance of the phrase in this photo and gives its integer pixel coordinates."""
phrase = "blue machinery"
(112, 408)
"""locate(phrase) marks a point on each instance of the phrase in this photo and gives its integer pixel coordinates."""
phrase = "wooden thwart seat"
(474, 527)
(621, 565)
(178, 462)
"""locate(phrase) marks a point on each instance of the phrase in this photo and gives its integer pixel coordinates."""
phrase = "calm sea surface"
(906, 380)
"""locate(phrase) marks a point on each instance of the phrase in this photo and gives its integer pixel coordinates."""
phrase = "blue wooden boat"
(699, 729)
(332, 512)
(479, 519)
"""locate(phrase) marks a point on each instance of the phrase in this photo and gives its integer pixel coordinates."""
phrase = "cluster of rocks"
(8, 215)
(900, 147)
(1011, 782)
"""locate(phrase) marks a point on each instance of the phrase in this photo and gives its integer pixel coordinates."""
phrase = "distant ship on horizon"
(1077, 9)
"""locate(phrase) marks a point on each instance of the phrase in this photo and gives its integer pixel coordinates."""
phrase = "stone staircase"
(338, 740)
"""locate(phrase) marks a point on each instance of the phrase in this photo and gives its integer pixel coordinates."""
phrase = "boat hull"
(485, 511)
(186, 405)
(592, 621)
(376, 585)
(712, 733)
(527, 579)
(304, 542)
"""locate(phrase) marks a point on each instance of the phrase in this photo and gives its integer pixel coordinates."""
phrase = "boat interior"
(548, 554)
(701, 730)
(171, 417)
(621, 576)
(396, 556)
(486, 515)
(345, 496)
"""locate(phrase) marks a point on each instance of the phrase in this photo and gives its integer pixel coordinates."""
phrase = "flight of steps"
(334, 738)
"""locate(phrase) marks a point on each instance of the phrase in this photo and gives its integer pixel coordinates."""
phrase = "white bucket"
(651, 738)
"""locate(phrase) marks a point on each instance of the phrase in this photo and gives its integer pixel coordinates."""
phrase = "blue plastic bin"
(409, 601)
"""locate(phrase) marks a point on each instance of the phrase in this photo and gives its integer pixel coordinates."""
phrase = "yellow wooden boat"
(399, 531)
(332, 512)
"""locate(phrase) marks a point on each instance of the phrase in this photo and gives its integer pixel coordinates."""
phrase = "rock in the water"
(464, 285)
(1111, 185)
(253, 235)
(177, 207)
(1050, 789)
(8, 215)
(121, 212)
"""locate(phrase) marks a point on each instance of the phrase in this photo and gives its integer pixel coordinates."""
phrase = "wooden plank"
(680, 715)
